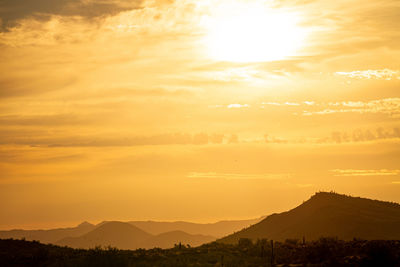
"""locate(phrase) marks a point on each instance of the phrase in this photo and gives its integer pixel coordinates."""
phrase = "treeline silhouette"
(292, 252)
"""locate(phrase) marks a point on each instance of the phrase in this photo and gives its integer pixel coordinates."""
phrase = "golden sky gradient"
(194, 110)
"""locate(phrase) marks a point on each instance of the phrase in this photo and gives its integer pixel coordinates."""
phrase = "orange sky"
(194, 110)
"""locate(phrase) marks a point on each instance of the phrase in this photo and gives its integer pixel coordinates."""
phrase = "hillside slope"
(329, 214)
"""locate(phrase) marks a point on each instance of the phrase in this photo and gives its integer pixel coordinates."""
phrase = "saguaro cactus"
(272, 252)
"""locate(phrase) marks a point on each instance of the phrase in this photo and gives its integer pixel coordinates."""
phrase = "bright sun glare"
(243, 32)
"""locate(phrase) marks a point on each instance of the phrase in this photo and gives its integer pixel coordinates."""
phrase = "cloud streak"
(360, 135)
(95, 141)
(238, 106)
(385, 74)
(352, 172)
(388, 106)
(12, 11)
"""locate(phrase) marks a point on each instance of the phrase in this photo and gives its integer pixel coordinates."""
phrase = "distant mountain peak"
(340, 199)
(326, 193)
(330, 195)
(85, 224)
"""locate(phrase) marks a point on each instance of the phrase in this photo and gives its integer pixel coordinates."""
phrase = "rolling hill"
(328, 214)
(196, 233)
(116, 234)
(49, 236)
(218, 229)
(126, 236)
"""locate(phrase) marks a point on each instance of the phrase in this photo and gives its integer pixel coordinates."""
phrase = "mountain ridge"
(123, 235)
(115, 234)
(49, 235)
(217, 229)
(328, 214)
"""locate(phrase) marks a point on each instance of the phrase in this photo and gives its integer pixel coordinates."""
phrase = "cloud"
(44, 120)
(389, 106)
(292, 104)
(352, 172)
(360, 135)
(385, 74)
(238, 106)
(239, 176)
(271, 103)
(12, 11)
(285, 103)
(216, 138)
(274, 140)
(338, 137)
(10, 138)
(233, 139)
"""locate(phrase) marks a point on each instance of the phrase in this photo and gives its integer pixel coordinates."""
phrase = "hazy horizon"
(56, 225)
(68, 224)
(194, 110)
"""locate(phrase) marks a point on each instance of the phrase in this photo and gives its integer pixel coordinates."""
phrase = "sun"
(243, 32)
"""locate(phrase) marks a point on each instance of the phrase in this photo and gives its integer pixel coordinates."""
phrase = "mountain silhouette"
(115, 234)
(328, 215)
(48, 236)
(218, 229)
(126, 236)
(159, 234)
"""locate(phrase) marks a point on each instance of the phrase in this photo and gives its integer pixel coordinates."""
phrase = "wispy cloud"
(353, 172)
(274, 140)
(124, 141)
(385, 74)
(231, 106)
(271, 103)
(286, 103)
(239, 176)
(389, 106)
(291, 104)
(360, 135)
(338, 137)
(238, 106)
(12, 11)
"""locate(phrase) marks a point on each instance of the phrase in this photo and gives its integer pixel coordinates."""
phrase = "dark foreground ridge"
(323, 252)
(328, 214)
